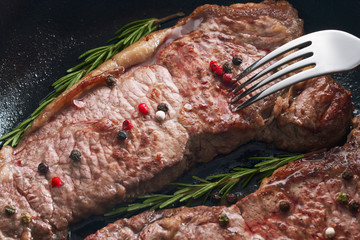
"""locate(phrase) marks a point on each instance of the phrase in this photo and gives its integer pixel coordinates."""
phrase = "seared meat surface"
(170, 66)
(299, 201)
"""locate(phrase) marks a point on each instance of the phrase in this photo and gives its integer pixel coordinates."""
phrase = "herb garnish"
(185, 193)
(124, 37)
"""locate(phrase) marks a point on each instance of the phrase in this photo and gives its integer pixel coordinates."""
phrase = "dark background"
(40, 40)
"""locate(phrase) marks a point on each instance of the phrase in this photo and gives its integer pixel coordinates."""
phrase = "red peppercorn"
(143, 108)
(213, 65)
(127, 125)
(56, 182)
(227, 78)
(219, 70)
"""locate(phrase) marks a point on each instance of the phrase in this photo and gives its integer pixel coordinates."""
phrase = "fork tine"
(299, 42)
(298, 65)
(304, 52)
(299, 77)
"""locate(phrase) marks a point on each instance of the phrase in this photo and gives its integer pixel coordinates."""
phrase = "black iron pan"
(40, 39)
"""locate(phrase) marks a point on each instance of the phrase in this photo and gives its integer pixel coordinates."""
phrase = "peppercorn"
(284, 206)
(163, 107)
(75, 155)
(227, 67)
(223, 220)
(354, 206)
(219, 70)
(231, 198)
(213, 65)
(215, 197)
(110, 80)
(342, 198)
(330, 232)
(122, 135)
(143, 108)
(26, 217)
(347, 175)
(56, 182)
(237, 60)
(43, 168)
(10, 209)
(160, 115)
(127, 125)
(227, 78)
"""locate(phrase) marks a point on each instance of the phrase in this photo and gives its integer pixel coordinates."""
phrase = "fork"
(327, 51)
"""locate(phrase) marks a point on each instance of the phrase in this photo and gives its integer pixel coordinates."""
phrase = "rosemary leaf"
(186, 193)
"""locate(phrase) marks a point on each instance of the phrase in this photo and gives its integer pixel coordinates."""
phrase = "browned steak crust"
(310, 187)
(172, 67)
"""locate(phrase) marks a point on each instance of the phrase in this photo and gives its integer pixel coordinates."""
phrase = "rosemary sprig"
(124, 37)
(225, 182)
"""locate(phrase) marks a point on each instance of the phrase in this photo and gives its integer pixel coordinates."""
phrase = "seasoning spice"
(223, 220)
(284, 206)
(10, 209)
(354, 206)
(213, 65)
(342, 198)
(43, 168)
(227, 78)
(231, 198)
(110, 80)
(219, 70)
(237, 60)
(160, 115)
(122, 135)
(127, 125)
(215, 197)
(227, 67)
(347, 175)
(143, 108)
(330, 232)
(56, 182)
(75, 155)
(26, 217)
(163, 107)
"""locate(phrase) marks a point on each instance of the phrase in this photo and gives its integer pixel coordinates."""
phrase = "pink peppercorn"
(143, 108)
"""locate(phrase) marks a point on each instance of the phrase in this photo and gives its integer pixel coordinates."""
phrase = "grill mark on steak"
(199, 124)
(310, 185)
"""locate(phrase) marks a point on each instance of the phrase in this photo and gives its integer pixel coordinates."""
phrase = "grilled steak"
(299, 201)
(73, 162)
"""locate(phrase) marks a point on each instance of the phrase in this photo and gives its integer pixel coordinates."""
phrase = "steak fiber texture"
(170, 66)
(310, 188)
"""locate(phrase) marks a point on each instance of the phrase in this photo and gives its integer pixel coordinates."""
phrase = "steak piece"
(170, 66)
(309, 189)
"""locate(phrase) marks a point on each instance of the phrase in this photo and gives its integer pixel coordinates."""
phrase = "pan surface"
(40, 40)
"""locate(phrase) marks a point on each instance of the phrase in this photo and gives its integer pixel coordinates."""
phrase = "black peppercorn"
(347, 175)
(43, 168)
(227, 67)
(163, 107)
(223, 220)
(122, 135)
(110, 80)
(284, 206)
(354, 206)
(215, 197)
(231, 198)
(237, 60)
(10, 210)
(75, 155)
